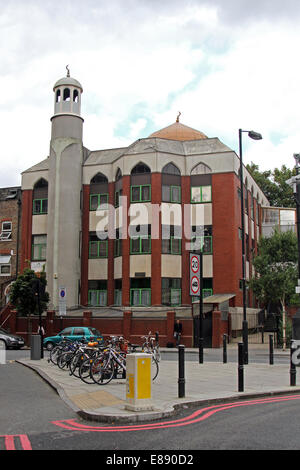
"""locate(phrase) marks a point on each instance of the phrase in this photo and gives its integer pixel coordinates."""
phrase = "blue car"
(74, 333)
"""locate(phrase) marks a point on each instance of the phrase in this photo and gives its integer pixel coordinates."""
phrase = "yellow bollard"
(138, 382)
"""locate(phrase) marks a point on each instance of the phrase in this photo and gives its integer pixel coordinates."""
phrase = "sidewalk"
(204, 383)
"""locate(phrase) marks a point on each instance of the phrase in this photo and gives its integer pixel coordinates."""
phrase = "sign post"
(196, 289)
(62, 302)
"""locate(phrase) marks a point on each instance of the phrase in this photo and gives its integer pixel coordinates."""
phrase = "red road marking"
(197, 416)
(9, 441)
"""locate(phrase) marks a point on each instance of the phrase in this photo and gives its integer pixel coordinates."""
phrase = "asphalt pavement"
(205, 383)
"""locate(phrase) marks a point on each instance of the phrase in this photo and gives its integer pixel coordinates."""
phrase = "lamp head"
(254, 135)
(297, 158)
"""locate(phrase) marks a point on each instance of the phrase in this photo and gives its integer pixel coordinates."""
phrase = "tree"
(276, 271)
(273, 184)
(23, 293)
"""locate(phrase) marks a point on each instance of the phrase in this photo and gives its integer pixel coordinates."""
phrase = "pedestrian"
(177, 331)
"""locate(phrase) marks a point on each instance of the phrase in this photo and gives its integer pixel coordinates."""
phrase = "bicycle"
(151, 348)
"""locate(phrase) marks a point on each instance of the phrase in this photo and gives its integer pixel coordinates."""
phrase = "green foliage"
(22, 294)
(273, 184)
(276, 268)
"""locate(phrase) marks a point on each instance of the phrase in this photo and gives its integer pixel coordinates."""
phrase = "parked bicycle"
(151, 345)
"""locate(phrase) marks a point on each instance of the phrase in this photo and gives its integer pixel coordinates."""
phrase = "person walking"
(177, 331)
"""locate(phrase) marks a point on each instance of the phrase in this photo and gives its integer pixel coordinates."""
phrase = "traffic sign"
(195, 274)
(62, 301)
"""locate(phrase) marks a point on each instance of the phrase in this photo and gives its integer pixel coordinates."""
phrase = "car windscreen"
(95, 332)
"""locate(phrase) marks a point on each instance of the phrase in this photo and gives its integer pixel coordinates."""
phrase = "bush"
(23, 294)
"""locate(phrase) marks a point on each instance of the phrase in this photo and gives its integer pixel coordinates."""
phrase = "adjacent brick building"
(10, 217)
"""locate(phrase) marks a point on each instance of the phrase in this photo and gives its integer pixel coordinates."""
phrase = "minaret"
(65, 182)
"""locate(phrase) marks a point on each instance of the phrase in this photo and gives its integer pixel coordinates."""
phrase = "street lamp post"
(255, 136)
(294, 182)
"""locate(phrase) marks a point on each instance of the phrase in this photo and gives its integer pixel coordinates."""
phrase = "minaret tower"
(65, 182)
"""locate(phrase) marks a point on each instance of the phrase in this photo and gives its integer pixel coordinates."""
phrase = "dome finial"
(68, 70)
(179, 114)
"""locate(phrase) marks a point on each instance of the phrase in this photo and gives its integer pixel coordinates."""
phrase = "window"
(98, 201)
(78, 332)
(98, 249)
(66, 94)
(4, 269)
(171, 193)
(39, 247)
(171, 169)
(6, 229)
(118, 194)
(118, 292)
(140, 245)
(141, 193)
(75, 96)
(118, 243)
(40, 206)
(58, 96)
(140, 297)
(66, 332)
(201, 169)
(171, 246)
(97, 298)
(140, 168)
(203, 244)
(200, 194)
(118, 174)
(171, 291)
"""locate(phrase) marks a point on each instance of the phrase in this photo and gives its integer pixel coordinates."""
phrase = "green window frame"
(118, 194)
(117, 247)
(202, 197)
(170, 249)
(207, 293)
(203, 244)
(98, 294)
(169, 197)
(140, 292)
(141, 250)
(98, 198)
(40, 206)
(141, 198)
(175, 292)
(118, 297)
(98, 244)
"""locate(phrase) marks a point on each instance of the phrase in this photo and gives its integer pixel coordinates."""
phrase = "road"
(34, 417)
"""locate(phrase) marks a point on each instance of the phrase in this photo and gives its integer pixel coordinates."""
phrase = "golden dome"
(178, 131)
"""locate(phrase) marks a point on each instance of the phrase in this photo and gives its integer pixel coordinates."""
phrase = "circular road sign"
(195, 264)
(195, 285)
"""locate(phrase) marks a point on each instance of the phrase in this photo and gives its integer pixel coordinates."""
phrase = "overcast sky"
(224, 64)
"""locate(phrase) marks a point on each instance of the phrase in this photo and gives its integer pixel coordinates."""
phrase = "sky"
(224, 64)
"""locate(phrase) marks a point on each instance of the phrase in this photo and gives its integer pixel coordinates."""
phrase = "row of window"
(139, 297)
(140, 193)
(138, 245)
(6, 230)
(142, 245)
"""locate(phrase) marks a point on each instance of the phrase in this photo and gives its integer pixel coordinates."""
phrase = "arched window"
(171, 169)
(58, 96)
(40, 197)
(99, 178)
(140, 168)
(118, 174)
(66, 94)
(201, 169)
(98, 192)
(75, 96)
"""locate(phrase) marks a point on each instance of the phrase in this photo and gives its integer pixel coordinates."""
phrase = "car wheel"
(2, 344)
(49, 346)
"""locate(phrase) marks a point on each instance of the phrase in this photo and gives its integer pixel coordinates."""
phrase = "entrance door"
(207, 330)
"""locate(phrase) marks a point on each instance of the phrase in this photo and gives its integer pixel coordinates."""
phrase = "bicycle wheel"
(102, 370)
(156, 353)
(85, 371)
(64, 359)
(154, 368)
(76, 362)
(54, 354)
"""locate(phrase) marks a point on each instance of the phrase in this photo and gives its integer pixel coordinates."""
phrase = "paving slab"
(204, 383)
